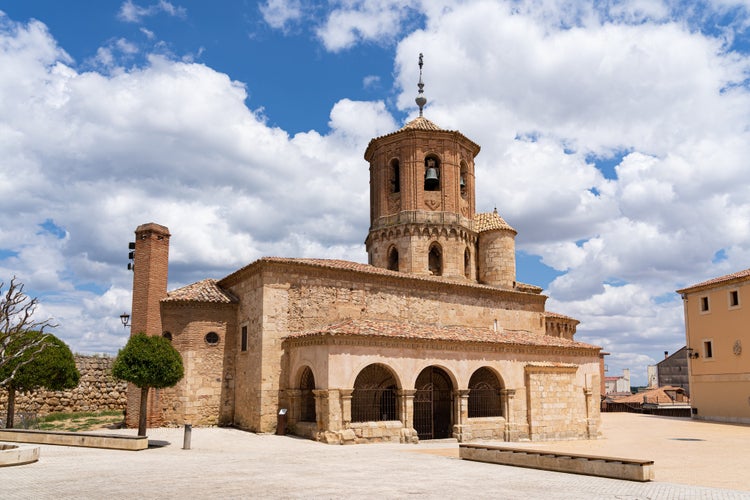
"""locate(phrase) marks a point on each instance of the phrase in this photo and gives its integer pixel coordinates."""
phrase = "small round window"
(167, 335)
(212, 338)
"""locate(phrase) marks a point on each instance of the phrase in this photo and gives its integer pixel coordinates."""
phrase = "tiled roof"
(408, 330)
(202, 291)
(336, 264)
(657, 395)
(551, 314)
(420, 123)
(490, 221)
(716, 281)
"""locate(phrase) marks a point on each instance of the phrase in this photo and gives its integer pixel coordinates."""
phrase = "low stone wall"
(97, 391)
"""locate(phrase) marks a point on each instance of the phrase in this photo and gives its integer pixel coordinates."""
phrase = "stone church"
(433, 338)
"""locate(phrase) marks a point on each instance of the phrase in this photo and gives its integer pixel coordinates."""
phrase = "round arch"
(433, 403)
(485, 386)
(306, 384)
(375, 394)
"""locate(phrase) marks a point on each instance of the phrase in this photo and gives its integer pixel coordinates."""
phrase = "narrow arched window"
(393, 259)
(462, 180)
(467, 263)
(435, 260)
(431, 174)
(395, 176)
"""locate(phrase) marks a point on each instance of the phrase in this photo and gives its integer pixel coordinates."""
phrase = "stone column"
(346, 407)
(321, 409)
(510, 433)
(294, 398)
(406, 415)
(592, 414)
(461, 429)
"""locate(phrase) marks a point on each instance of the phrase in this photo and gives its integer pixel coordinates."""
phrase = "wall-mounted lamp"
(691, 353)
(125, 318)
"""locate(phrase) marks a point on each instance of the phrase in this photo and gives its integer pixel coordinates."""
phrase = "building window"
(431, 174)
(435, 260)
(734, 298)
(708, 349)
(467, 263)
(212, 338)
(393, 259)
(243, 339)
(704, 304)
(395, 176)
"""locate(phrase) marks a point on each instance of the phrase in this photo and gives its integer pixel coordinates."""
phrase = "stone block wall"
(97, 391)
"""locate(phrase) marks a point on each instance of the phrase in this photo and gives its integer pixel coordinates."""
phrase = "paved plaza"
(692, 460)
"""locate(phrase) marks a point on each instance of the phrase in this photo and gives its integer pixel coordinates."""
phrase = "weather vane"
(420, 100)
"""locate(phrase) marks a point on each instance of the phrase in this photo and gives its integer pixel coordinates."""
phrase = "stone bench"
(85, 439)
(613, 467)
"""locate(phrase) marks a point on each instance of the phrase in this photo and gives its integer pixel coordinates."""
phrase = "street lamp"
(125, 318)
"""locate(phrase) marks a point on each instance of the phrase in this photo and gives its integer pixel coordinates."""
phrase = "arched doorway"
(433, 404)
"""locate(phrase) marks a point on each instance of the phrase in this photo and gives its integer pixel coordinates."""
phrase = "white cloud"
(280, 13)
(133, 13)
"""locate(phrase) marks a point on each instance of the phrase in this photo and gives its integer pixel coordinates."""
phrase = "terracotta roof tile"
(335, 264)
(490, 221)
(550, 314)
(657, 395)
(202, 291)
(408, 330)
(716, 281)
(420, 123)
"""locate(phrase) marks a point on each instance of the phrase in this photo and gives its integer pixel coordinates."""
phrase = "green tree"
(148, 361)
(17, 318)
(53, 367)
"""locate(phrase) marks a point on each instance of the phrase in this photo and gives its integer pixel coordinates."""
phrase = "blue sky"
(614, 139)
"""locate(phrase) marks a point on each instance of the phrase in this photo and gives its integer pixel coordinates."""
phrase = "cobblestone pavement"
(228, 463)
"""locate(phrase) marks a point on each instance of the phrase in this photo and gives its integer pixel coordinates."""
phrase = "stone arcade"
(433, 338)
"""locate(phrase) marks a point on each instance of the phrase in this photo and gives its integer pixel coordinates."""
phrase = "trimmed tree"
(52, 367)
(148, 361)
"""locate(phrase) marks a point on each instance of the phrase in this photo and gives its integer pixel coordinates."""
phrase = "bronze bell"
(431, 177)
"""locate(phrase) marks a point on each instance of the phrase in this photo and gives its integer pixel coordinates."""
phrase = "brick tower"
(150, 263)
(422, 201)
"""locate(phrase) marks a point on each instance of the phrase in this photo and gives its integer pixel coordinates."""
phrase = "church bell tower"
(422, 201)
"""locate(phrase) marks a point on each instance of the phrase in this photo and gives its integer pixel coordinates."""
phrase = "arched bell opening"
(431, 173)
(393, 259)
(435, 260)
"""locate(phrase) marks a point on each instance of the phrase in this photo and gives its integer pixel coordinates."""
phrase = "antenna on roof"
(420, 100)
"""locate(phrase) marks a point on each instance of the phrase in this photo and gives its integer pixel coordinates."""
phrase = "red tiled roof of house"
(656, 395)
(409, 330)
(716, 281)
(202, 291)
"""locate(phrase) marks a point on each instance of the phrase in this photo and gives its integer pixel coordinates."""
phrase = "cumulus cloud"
(133, 13)
(280, 13)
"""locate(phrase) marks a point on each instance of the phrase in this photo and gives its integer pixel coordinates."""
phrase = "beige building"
(433, 338)
(716, 329)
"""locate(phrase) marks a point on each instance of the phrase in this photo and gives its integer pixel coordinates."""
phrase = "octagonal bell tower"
(422, 199)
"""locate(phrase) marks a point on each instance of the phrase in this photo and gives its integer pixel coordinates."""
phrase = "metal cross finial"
(420, 100)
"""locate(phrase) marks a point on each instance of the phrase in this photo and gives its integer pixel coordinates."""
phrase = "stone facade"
(96, 391)
(433, 338)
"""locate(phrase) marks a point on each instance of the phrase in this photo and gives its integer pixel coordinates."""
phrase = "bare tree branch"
(16, 318)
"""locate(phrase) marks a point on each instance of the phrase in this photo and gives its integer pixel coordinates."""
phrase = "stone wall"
(97, 391)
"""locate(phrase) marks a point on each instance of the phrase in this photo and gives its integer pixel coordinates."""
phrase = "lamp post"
(125, 318)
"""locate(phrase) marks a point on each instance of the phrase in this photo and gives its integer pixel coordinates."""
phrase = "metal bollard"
(186, 438)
